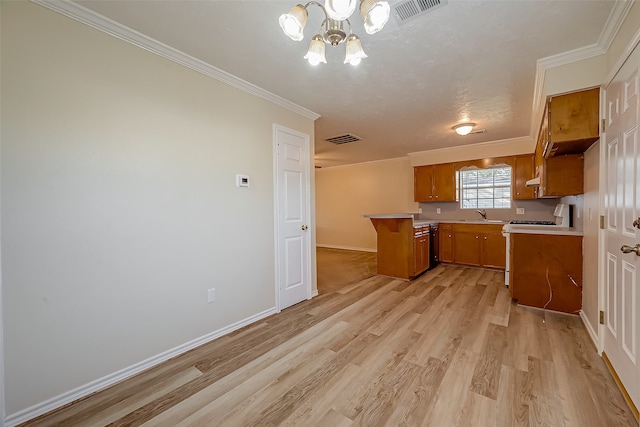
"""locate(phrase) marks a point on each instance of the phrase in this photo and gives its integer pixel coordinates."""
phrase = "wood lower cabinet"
(421, 253)
(494, 250)
(546, 270)
(478, 245)
(446, 243)
(466, 246)
(403, 250)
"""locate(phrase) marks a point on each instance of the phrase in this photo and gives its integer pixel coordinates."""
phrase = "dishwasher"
(434, 246)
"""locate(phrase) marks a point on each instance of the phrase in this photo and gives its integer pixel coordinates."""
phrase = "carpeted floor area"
(340, 267)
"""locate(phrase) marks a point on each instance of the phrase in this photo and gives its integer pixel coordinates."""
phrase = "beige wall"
(119, 205)
(574, 76)
(345, 193)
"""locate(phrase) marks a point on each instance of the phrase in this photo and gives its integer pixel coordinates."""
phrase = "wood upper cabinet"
(444, 182)
(569, 127)
(446, 242)
(435, 183)
(523, 171)
(573, 122)
(560, 176)
(423, 183)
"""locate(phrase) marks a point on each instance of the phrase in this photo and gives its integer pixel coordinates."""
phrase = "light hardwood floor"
(447, 349)
(339, 267)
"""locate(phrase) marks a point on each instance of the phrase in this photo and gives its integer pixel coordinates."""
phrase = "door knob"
(628, 249)
(304, 228)
(636, 223)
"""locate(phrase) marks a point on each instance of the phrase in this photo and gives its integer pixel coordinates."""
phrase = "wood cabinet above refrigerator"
(573, 122)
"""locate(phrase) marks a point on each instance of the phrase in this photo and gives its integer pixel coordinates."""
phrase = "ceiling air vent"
(343, 139)
(410, 9)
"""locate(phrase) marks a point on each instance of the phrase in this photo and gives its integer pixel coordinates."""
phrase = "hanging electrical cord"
(544, 309)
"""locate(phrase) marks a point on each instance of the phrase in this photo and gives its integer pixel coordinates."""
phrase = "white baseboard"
(348, 248)
(592, 333)
(106, 381)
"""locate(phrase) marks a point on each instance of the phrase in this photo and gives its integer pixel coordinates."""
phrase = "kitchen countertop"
(419, 222)
(461, 221)
(513, 228)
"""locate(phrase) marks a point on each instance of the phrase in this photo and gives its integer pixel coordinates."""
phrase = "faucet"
(482, 213)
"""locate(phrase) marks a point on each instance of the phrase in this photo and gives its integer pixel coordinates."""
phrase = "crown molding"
(611, 27)
(88, 17)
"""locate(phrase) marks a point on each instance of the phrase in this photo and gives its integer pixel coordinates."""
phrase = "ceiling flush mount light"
(464, 128)
(375, 15)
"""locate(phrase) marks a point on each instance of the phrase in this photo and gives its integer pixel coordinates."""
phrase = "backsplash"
(541, 209)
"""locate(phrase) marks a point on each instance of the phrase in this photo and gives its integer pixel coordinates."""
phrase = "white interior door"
(292, 216)
(622, 270)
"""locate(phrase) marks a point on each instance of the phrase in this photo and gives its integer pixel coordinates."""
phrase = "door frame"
(277, 214)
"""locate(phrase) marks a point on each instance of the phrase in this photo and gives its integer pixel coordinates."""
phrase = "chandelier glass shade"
(315, 55)
(339, 10)
(375, 15)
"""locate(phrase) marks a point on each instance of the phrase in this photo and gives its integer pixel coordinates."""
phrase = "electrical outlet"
(419, 210)
(519, 211)
(211, 295)
(438, 210)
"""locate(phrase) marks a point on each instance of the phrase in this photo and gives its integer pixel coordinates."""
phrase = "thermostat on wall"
(242, 180)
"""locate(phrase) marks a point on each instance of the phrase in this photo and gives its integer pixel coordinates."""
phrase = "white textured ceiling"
(467, 59)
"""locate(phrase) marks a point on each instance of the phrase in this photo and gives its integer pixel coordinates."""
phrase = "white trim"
(589, 328)
(614, 22)
(108, 380)
(602, 234)
(101, 23)
(3, 410)
(346, 248)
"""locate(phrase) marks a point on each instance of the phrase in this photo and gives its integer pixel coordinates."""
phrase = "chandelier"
(374, 14)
